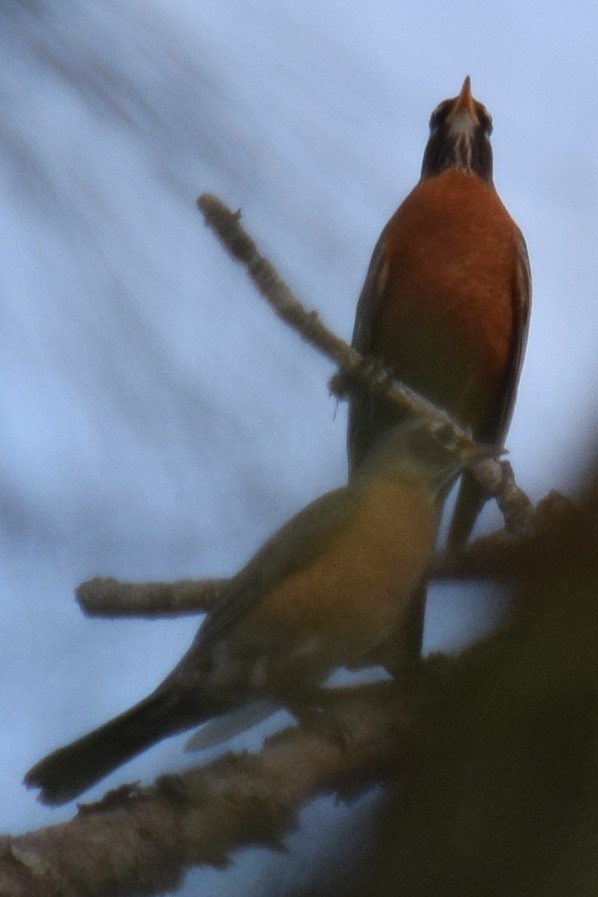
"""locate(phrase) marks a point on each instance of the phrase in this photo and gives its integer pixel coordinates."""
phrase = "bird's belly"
(345, 605)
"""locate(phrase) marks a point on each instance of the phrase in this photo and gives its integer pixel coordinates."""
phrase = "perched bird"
(331, 588)
(446, 299)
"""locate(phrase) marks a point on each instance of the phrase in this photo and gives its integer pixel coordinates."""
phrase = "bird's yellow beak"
(464, 102)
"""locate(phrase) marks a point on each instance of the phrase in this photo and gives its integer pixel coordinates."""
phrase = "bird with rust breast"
(446, 300)
(331, 588)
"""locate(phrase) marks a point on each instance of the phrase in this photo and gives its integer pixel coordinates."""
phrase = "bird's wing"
(471, 495)
(293, 547)
(522, 299)
(369, 417)
(368, 303)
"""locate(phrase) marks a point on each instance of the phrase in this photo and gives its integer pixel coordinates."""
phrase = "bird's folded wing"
(292, 548)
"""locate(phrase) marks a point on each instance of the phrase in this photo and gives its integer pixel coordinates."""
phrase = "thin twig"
(498, 481)
(514, 504)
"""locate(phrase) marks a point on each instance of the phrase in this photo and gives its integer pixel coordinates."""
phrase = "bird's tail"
(68, 771)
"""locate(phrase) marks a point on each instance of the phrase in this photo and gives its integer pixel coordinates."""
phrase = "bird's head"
(460, 131)
(432, 453)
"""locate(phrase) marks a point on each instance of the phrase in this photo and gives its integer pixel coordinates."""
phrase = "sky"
(157, 420)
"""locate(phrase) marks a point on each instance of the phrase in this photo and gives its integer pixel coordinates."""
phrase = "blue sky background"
(157, 420)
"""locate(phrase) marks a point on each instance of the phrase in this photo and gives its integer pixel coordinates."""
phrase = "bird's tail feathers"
(68, 771)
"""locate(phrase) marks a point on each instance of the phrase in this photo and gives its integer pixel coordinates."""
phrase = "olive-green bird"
(332, 588)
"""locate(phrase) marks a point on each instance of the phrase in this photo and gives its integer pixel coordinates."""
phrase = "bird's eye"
(439, 115)
(484, 118)
(444, 436)
(434, 121)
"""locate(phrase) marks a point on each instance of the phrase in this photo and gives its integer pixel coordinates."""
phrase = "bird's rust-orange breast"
(446, 315)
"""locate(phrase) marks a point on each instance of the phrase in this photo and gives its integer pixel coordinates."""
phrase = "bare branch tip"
(207, 201)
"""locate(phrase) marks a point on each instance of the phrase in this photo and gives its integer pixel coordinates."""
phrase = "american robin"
(446, 299)
(331, 588)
